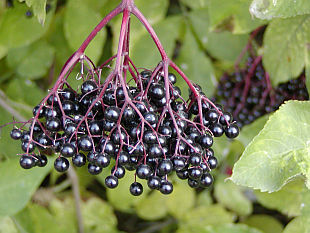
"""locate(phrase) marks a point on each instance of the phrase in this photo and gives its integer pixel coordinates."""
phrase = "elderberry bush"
(128, 120)
(248, 94)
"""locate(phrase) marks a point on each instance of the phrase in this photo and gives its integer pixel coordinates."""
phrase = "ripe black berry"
(119, 172)
(232, 131)
(41, 160)
(88, 87)
(111, 182)
(166, 187)
(136, 189)
(212, 161)
(79, 160)
(27, 162)
(53, 124)
(102, 160)
(85, 143)
(16, 134)
(206, 180)
(112, 113)
(94, 169)
(143, 171)
(61, 164)
(68, 150)
(154, 182)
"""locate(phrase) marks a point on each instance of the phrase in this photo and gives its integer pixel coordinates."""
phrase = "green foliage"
(204, 37)
(279, 152)
(267, 9)
(31, 62)
(285, 44)
(17, 185)
(290, 200)
(79, 19)
(17, 30)
(38, 7)
(231, 196)
(236, 13)
(265, 223)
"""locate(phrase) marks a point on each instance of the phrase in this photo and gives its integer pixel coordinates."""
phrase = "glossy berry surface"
(136, 189)
(61, 164)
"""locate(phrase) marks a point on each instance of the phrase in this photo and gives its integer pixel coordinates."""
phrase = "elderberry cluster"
(259, 98)
(128, 128)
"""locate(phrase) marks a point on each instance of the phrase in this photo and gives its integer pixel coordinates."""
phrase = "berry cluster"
(129, 120)
(141, 136)
(248, 94)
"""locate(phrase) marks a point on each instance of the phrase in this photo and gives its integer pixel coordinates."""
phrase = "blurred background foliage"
(204, 37)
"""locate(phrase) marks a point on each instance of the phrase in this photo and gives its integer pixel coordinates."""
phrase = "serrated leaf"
(221, 45)
(31, 62)
(235, 13)
(284, 47)
(290, 200)
(17, 30)
(248, 132)
(279, 152)
(80, 20)
(268, 9)
(17, 185)
(265, 223)
(231, 196)
(196, 65)
(300, 224)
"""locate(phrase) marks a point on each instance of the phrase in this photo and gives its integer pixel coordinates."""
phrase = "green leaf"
(181, 200)
(279, 152)
(158, 209)
(98, 216)
(307, 68)
(25, 91)
(248, 132)
(221, 45)
(236, 13)
(290, 200)
(144, 52)
(39, 9)
(80, 19)
(231, 196)
(17, 30)
(46, 221)
(265, 223)
(194, 4)
(31, 62)
(7, 225)
(299, 224)
(18, 185)
(268, 9)
(196, 65)
(207, 215)
(222, 228)
(284, 47)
